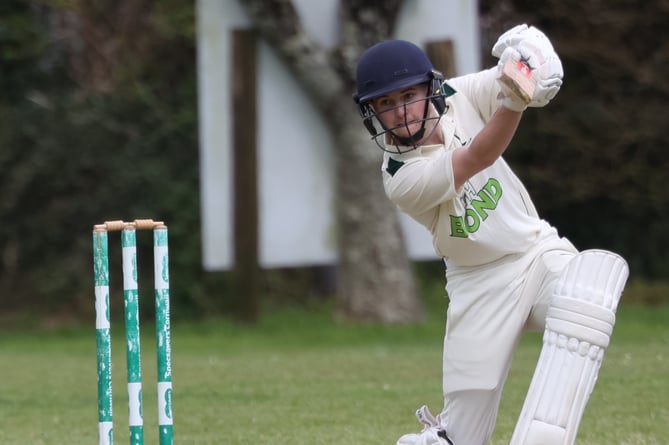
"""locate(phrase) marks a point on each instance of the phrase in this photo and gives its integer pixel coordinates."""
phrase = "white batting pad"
(579, 324)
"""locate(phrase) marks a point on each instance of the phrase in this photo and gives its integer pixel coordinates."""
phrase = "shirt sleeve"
(421, 183)
(481, 90)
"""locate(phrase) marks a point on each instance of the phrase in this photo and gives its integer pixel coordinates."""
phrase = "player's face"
(402, 110)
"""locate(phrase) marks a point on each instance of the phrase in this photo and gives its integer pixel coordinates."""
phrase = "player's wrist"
(515, 80)
(512, 105)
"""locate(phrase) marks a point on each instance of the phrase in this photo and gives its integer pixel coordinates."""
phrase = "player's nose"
(400, 112)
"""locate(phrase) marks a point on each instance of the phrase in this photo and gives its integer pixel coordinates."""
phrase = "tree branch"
(278, 23)
(363, 23)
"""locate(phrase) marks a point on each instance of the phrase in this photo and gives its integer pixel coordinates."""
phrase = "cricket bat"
(516, 79)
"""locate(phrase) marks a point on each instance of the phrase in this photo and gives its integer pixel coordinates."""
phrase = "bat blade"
(517, 78)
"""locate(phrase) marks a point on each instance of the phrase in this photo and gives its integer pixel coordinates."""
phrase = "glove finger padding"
(510, 38)
(521, 33)
(546, 70)
(544, 62)
(544, 92)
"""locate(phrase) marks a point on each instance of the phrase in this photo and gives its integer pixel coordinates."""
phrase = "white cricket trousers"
(489, 308)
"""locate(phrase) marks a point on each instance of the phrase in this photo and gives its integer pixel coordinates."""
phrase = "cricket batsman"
(507, 269)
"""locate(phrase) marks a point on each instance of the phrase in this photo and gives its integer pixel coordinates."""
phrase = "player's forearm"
(488, 145)
(496, 136)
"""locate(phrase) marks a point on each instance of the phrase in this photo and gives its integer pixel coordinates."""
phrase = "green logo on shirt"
(477, 210)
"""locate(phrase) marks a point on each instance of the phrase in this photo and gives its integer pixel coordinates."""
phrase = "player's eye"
(384, 104)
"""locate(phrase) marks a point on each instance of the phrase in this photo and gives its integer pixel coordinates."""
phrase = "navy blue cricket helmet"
(388, 66)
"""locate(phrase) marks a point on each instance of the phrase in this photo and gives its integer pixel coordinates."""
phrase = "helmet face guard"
(386, 138)
(389, 66)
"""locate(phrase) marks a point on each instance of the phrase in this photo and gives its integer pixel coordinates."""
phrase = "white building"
(296, 220)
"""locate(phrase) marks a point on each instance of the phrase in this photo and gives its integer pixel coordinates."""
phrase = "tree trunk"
(375, 281)
(374, 278)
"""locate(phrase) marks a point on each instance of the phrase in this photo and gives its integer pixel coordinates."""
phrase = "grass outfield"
(300, 379)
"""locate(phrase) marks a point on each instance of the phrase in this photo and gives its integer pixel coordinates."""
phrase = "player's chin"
(407, 131)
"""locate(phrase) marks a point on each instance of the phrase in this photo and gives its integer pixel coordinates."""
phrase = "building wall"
(295, 161)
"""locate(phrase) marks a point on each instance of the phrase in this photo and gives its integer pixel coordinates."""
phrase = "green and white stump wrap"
(163, 333)
(103, 338)
(133, 362)
(132, 329)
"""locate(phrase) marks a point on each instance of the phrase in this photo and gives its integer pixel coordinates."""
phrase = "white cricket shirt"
(492, 214)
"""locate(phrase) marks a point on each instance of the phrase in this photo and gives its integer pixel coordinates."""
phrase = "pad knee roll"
(579, 323)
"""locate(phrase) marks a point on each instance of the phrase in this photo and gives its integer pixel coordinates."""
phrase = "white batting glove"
(521, 33)
(510, 100)
(547, 72)
(511, 37)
